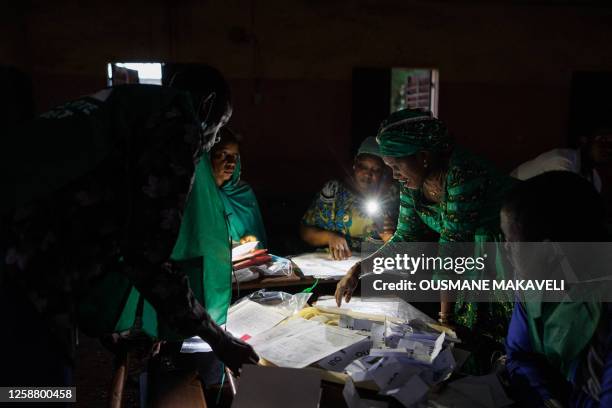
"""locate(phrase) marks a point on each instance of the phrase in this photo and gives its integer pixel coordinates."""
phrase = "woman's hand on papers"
(348, 284)
(234, 353)
(338, 247)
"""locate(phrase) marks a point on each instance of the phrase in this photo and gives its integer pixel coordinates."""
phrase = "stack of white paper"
(299, 342)
(241, 251)
(247, 319)
(423, 350)
(393, 377)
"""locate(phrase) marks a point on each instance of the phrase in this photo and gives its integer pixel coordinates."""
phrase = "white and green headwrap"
(409, 131)
(369, 146)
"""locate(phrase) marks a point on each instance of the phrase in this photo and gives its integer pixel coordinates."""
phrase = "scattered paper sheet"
(247, 319)
(361, 370)
(377, 335)
(299, 342)
(352, 323)
(321, 265)
(422, 349)
(339, 360)
(441, 369)
(391, 373)
(274, 387)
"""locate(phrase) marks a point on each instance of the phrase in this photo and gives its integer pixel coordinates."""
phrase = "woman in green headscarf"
(239, 201)
(446, 189)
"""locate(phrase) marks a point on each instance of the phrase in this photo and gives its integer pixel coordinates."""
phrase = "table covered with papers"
(386, 346)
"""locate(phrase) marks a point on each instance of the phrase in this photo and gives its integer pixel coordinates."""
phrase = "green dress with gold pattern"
(468, 212)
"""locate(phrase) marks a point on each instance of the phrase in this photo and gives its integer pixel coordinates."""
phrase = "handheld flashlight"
(372, 207)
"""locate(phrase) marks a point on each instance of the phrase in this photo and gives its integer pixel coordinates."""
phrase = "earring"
(424, 163)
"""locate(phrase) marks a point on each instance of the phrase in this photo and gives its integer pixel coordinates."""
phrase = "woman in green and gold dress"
(451, 191)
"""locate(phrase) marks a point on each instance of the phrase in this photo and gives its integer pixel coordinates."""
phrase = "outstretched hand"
(348, 284)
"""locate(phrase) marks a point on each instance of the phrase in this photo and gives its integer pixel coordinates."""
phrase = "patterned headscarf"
(409, 131)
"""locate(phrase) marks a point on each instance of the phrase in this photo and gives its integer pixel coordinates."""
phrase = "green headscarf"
(409, 131)
(369, 146)
(561, 331)
(241, 208)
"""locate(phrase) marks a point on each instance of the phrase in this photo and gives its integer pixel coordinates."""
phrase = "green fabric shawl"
(561, 331)
(241, 208)
(203, 250)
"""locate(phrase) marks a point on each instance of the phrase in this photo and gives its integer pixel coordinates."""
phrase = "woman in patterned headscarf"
(446, 189)
(361, 208)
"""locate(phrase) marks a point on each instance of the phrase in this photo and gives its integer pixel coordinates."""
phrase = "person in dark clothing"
(559, 354)
(94, 186)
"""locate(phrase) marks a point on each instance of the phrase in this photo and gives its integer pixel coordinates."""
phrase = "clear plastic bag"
(286, 303)
(279, 266)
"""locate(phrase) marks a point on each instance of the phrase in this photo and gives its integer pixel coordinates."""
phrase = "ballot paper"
(485, 390)
(384, 307)
(391, 373)
(349, 322)
(299, 342)
(441, 369)
(274, 387)
(423, 350)
(247, 319)
(353, 400)
(241, 250)
(339, 360)
(377, 335)
(321, 265)
(361, 369)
